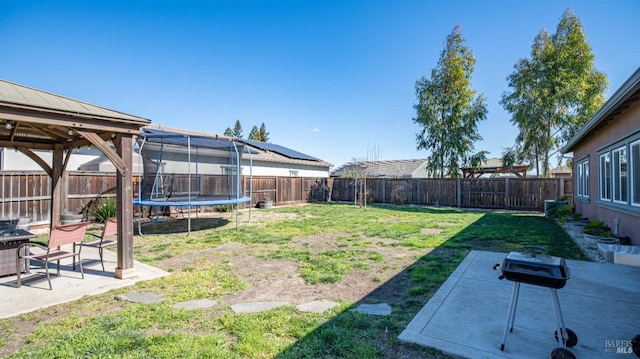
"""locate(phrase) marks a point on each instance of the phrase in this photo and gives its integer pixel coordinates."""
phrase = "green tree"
(254, 135)
(264, 135)
(228, 132)
(237, 129)
(553, 93)
(448, 110)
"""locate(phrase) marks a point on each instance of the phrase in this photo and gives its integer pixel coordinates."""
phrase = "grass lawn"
(397, 255)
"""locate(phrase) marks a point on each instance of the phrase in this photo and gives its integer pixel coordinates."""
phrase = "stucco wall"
(624, 127)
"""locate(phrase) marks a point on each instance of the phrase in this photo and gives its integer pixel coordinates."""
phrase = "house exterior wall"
(284, 170)
(12, 160)
(619, 133)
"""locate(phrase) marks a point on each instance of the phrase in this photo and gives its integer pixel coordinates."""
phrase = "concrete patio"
(467, 315)
(35, 294)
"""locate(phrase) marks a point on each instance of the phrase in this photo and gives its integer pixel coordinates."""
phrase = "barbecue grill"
(541, 270)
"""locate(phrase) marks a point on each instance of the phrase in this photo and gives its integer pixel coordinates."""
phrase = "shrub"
(597, 227)
(399, 196)
(105, 208)
(565, 212)
(224, 208)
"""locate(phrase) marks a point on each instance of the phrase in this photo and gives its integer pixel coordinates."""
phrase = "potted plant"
(597, 231)
(266, 202)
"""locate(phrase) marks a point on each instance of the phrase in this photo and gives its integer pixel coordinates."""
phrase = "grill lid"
(536, 269)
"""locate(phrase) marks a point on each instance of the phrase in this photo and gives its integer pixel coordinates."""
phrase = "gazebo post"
(56, 185)
(124, 200)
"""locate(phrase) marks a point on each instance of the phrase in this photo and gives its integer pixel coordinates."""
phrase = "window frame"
(619, 178)
(634, 171)
(582, 179)
(604, 175)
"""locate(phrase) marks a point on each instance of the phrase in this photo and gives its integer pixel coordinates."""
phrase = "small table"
(10, 239)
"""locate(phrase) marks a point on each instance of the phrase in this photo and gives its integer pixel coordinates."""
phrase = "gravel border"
(574, 230)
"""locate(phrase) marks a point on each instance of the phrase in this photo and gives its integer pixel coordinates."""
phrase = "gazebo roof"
(39, 120)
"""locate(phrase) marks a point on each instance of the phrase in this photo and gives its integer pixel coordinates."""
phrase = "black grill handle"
(534, 248)
(496, 267)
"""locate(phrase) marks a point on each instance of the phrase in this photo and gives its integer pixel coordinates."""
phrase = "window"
(605, 176)
(620, 175)
(582, 179)
(634, 169)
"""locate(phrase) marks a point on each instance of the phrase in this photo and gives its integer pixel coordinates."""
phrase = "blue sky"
(328, 78)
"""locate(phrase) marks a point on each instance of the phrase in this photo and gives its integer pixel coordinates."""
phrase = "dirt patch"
(430, 230)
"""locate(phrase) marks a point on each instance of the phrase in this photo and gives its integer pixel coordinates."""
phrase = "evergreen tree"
(237, 129)
(553, 93)
(264, 135)
(448, 110)
(228, 132)
(254, 135)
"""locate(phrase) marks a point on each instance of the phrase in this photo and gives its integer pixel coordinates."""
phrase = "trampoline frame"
(192, 201)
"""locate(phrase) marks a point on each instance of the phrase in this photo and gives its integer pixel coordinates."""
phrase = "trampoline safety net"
(186, 170)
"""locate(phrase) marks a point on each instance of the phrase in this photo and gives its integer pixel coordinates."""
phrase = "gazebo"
(494, 166)
(34, 119)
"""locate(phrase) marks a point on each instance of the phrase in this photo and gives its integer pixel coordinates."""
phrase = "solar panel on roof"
(287, 152)
(175, 138)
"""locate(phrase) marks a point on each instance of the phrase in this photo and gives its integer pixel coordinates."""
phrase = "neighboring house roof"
(561, 171)
(626, 95)
(494, 165)
(260, 151)
(390, 168)
(287, 152)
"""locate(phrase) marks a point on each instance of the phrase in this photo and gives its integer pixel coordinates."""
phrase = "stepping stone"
(373, 309)
(195, 304)
(255, 307)
(317, 306)
(146, 298)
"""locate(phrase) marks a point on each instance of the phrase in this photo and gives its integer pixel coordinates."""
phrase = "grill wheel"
(571, 341)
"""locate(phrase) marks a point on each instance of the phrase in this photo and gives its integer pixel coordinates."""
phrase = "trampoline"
(184, 170)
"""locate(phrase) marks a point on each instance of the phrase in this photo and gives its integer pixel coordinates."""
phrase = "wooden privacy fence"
(27, 194)
(490, 193)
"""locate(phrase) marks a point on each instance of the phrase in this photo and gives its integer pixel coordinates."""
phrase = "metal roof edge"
(628, 88)
(53, 109)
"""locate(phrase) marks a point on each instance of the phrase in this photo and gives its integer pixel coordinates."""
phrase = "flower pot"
(265, 204)
(68, 218)
(591, 240)
(609, 240)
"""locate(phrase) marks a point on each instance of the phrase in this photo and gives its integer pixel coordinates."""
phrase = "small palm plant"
(105, 208)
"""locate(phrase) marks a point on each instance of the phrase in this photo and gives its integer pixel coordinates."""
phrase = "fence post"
(458, 193)
(506, 192)
(561, 184)
(384, 190)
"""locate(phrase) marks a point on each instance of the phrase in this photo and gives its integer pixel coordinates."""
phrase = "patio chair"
(109, 230)
(63, 235)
